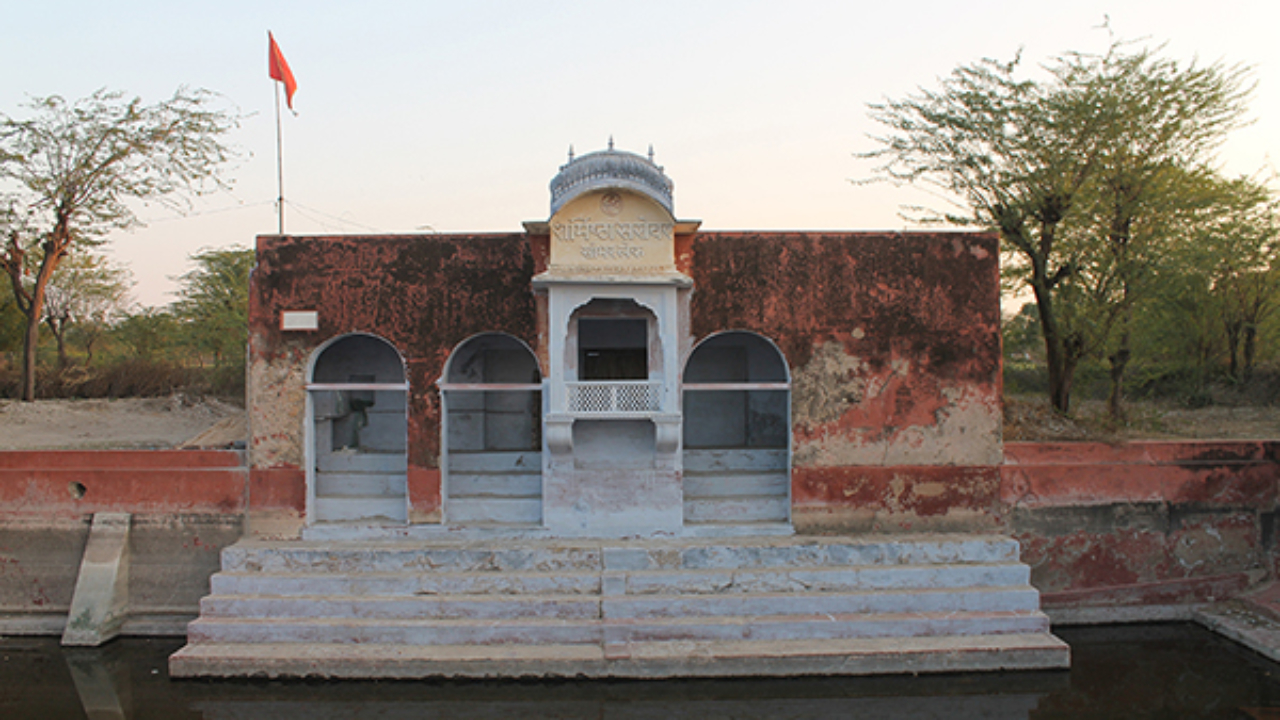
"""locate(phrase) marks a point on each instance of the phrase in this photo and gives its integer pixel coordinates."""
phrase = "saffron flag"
(279, 70)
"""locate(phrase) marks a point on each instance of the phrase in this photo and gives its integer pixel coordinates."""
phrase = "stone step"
(486, 631)
(730, 460)
(644, 582)
(494, 486)
(825, 626)
(400, 556)
(833, 579)
(404, 584)
(556, 556)
(497, 510)
(330, 484)
(753, 658)
(500, 462)
(751, 483)
(694, 606)
(737, 509)
(363, 462)
(998, 599)
(347, 508)
(594, 607)
(391, 631)
(1017, 699)
(581, 606)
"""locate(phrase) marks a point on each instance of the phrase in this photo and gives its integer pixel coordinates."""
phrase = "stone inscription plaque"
(613, 231)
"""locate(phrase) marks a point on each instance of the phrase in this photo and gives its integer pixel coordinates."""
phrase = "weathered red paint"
(540, 247)
(918, 490)
(77, 483)
(904, 403)
(932, 298)
(923, 301)
(278, 488)
(424, 490)
(1165, 592)
(103, 459)
(1224, 473)
(424, 294)
(684, 252)
(1085, 562)
(1144, 521)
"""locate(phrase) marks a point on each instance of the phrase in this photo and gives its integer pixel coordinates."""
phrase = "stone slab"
(879, 656)
(100, 603)
(586, 607)
(403, 584)
(1244, 623)
(508, 553)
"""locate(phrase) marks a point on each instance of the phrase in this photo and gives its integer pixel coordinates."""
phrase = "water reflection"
(101, 679)
(1125, 672)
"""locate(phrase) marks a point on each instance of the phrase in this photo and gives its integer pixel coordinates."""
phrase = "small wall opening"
(737, 431)
(492, 392)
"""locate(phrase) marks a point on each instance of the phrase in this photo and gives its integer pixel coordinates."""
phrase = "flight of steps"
(620, 608)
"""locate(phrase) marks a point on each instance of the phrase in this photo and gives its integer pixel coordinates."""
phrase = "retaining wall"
(1141, 530)
(1112, 533)
(186, 505)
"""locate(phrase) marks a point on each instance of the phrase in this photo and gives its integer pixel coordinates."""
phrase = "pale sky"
(454, 116)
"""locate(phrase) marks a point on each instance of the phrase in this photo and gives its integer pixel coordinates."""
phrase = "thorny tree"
(1065, 169)
(70, 171)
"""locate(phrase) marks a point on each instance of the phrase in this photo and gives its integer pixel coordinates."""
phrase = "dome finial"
(611, 169)
(570, 152)
(650, 152)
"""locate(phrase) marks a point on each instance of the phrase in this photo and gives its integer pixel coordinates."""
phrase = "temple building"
(616, 371)
(615, 444)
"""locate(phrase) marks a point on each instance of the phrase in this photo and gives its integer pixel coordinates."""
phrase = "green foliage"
(11, 323)
(148, 335)
(213, 304)
(1089, 175)
(70, 171)
(1021, 337)
(197, 344)
(85, 293)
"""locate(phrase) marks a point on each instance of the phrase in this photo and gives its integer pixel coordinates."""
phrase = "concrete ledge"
(1119, 615)
(1237, 620)
(148, 624)
(877, 656)
(51, 622)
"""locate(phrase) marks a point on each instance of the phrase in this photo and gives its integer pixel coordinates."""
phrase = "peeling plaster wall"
(894, 347)
(1142, 524)
(424, 294)
(892, 338)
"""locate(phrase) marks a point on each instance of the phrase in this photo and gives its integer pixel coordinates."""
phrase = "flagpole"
(279, 163)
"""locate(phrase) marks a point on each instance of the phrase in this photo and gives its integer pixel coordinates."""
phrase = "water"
(1154, 671)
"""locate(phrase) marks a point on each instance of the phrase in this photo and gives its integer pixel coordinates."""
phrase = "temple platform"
(652, 608)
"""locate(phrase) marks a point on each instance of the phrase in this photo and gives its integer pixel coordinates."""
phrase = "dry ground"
(131, 423)
(1031, 418)
(182, 421)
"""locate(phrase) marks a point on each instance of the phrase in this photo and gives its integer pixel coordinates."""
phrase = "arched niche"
(492, 459)
(358, 440)
(737, 431)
